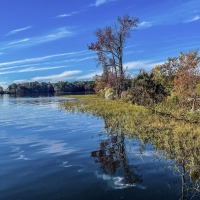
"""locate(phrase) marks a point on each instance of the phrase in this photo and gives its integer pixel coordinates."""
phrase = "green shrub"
(126, 97)
(101, 93)
(109, 93)
(173, 98)
(198, 89)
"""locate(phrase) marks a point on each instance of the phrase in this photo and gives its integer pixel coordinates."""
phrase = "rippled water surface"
(49, 154)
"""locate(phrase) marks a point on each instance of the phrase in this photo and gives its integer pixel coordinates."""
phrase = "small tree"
(109, 47)
(147, 89)
(184, 73)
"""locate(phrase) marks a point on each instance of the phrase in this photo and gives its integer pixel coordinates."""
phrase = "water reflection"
(189, 175)
(35, 99)
(176, 142)
(31, 95)
(113, 159)
(114, 162)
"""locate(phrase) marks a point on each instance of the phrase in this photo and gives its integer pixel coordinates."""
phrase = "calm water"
(48, 154)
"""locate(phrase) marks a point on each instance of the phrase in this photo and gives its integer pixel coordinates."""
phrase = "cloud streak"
(31, 69)
(48, 37)
(18, 41)
(18, 30)
(101, 2)
(88, 76)
(197, 17)
(67, 15)
(141, 64)
(65, 74)
(70, 14)
(32, 60)
(144, 24)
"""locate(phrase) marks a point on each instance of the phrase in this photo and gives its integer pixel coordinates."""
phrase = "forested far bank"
(47, 87)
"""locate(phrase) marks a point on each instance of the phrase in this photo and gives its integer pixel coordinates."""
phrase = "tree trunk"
(194, 104)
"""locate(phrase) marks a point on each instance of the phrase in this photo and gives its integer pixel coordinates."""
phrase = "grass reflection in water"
(171, 138)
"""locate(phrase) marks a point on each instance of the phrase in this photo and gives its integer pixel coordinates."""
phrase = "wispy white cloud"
(55, 77)
(88, 76)
(141, 64)
(63, 15)
(70, 14)
(100, 2)
(86, 58)
(75, 60)
(14, 44)
(48, 37)
(18, 41)
(144, 24)
(32, 60)
(134, 51)
(31, 69)
(66, 75)
(18, 30)
(67, 15)
(130, 46)
(20, 66)
(31, 66)
(21, 81)
(57, 34)
(197, 17)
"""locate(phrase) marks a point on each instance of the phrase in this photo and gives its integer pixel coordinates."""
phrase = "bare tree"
(109, 47)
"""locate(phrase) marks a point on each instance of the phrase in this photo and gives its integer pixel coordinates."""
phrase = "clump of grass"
(96, 106)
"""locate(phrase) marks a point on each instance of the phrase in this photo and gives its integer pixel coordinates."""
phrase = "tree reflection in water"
(190, 185)
(113, 159)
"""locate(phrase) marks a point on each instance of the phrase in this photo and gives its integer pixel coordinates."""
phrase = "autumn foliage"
(183, 71)
(109, 48)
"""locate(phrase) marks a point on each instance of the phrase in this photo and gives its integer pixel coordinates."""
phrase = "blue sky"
(46, 40)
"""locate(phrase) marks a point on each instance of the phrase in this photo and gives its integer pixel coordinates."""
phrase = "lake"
(47, 154)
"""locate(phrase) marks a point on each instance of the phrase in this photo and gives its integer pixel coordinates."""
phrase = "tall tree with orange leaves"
(109, 48)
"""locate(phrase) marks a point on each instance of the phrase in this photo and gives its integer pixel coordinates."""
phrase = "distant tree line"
(77, 86)
(47, 87)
